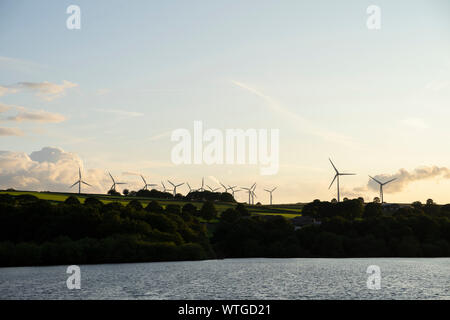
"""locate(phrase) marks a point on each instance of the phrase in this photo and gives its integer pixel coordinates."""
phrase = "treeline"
(347, 229)
(191, 196)
(38, 232)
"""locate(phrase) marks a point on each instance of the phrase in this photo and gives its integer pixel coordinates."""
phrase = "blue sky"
(375, 101)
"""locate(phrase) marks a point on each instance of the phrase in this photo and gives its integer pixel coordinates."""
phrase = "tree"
(72, 200)
(373, 210)
(113, 192)
(208, 211)
(125, 192)
(242, 210)
(135, 204)
(91, 201)
(154, 206)
(376, 200)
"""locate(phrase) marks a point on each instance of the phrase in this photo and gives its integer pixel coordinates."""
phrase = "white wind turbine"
(146, 185)
(338, 174)
(80, 181)
(232, 190)
(164, 187)
(212, 190)
(190, 189)
(270, 191)
(251, 193)
(175, 186)
(113, 187)
(224, 187)
(382, 184)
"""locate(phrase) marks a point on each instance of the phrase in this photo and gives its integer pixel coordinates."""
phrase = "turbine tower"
(338, 174)
(113, 187)
(201, 189)
(270, 191)
(175, 186)
(79, 182)
(251, 193)
(381, 186)
(146, 184)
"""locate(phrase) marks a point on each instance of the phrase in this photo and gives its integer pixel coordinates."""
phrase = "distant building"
(301, 221)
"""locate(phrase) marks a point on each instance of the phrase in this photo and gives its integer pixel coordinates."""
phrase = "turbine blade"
(333, 180)
(274, 189)
(79, 173)
(347, 174)
(375, 180)
(333, 166)
(111, 177)
(145, 182)
(75, 184)
(86, 183)
(389, 181)
(171, 183)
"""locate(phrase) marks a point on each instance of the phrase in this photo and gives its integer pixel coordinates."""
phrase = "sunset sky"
(108, 96)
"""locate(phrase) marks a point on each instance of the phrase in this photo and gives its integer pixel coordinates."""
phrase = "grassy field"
(288, 211)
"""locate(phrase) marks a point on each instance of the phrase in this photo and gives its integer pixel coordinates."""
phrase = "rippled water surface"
(235, 279)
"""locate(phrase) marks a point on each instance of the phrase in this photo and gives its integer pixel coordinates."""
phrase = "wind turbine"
(270, 191)
(79, 182)
(381, 186)
(190, 189)
(250, 192)
(212, 190)
(232, 190)
(164, 187)
(224, 187)
(175, 187)
(201, 189)
(146, 184)
(113, 187)
(338, 174)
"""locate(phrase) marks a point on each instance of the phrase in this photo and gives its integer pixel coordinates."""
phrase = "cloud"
(50, 168)
(300, 122)
(45, 90)
(37, 116)
(7, 90)
(121, 112)
(404, 178)
(4, 107)
(160, 136)
(10, 132)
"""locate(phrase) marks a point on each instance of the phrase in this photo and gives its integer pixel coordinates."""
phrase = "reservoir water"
(401, 278)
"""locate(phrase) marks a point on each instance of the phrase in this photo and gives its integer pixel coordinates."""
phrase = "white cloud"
(301, 123)
(4, 107)
(45, 90)
(121, 112)
(50, 168)
(10, 131)
(37, 116)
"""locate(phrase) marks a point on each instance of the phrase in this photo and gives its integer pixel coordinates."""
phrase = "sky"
(109, 95)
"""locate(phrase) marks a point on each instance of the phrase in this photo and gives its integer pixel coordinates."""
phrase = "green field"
(288, 211)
